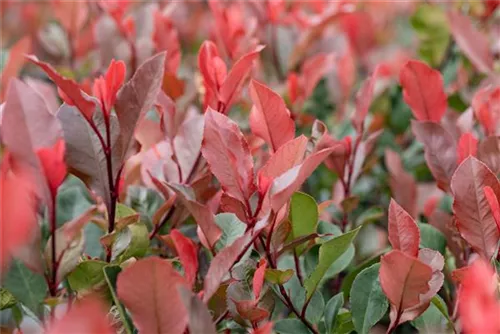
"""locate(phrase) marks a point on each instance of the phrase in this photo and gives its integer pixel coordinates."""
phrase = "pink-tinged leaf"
(289, 182)
(313, 69)
(53, 165)
(14, 63)
(475, 222)
(137, 96)
(212, 68)
(201, 213)
(403, 185)
(166, 39)
(403, 279)
(473, 43)
(404, 234)
(228, 155)
(225, 259)
(478, 306)
(286, 157)
(467, 146)
(85, 316)
(258, 278)
(488, 152)
(27, 126)
(187, 145)
(486, 106)
(364, 99)
(106, 87)
(18, 206)
(423, 91)
(149, 290)
(249, 310)
(75, 96)
(440, 151)
(232, 205)
(493, 202)
(200, 320)
(236, 77)
(186, 250)
(269, 118)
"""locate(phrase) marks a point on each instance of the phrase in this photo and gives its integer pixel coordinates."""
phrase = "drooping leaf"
(404, 234)
(269, 118)
(423, 91)
(368, 302)
(187, 253)
(228, 155)
(137, 96)
(472, 42)
(328, 253)
(331, 310)
(258, 278)
(149, 298)
(440, 151)
(303, 216)
(475, 220)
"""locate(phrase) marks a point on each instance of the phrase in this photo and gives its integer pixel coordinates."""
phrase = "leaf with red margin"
(423, 91)
(475, 222)
(187, 253)
(440, 151)
(54, 167)
(236, 76)
(364, 99)
(70, 88)
(467, 146)
(404, 234)
(225, 259)
(85, 316)
(200, 320)
(472, 42)
(258, 278)
(228, 155)
(403, 185)
(403, 279)
(488, 152)
(494, 205)
(14, 63)
(269, 118)
(149, 289)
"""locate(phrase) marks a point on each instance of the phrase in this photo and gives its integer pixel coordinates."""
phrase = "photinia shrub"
(250, 167)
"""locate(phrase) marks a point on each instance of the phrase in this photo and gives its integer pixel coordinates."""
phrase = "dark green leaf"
(431, 238)
(431, 321)
(291, 326)
(332, 309)
(110, 275)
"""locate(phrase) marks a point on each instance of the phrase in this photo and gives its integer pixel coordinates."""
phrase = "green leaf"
(72, 200)
(291, 326)
(316, 307)
(303, 216)
(27, 287)
(7, 300)
(110, 276)
(329, 252)
(344, 322)
(439, 303)
(332, 309)
(123, 211)
(232, 228)
(368, 301)
(431, 321)
(432, 238)
(87, 275)
(132, 241)
(371, 215)
(276, 276)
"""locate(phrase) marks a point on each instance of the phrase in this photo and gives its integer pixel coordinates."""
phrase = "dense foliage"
(250, 167)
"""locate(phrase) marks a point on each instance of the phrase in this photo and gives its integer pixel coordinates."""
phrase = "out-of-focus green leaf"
(432, 238)
(87, 275)
(7, 300)
(431, 321)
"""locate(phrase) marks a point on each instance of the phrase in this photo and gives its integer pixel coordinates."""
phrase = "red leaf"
(404, 234)
(258, 278)
(228, 155)
(266, 328)
(289, 182)
(232, 205)
(478, 307)
(440, 151)
(269, 118)
(364, 99)
(166, 39)
(225, 259)
(423, 91)
(486, 105)
(86, 316)
(106, 87)
(200, 320)
(494, 205)
(488, 152)
(71, 89)
(475, 222)
(14, 63)
(467, 146)
(402, 183)
(249, 310)
(149, 290)
(213, 69)
(52, 161)
(188, 255)
(471, 41)
(403, 279)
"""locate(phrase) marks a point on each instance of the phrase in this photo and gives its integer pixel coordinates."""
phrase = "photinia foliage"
(250, 167)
